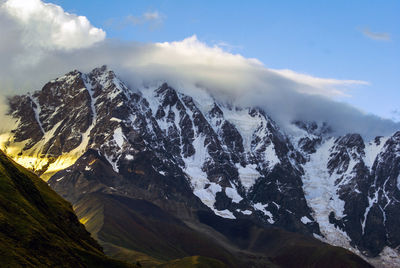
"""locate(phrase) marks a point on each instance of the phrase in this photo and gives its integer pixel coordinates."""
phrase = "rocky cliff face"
(187, 153)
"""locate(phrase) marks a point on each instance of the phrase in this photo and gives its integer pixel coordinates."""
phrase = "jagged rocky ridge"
(236, 161)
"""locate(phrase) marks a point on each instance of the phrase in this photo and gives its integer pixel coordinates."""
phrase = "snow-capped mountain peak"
(236, 160)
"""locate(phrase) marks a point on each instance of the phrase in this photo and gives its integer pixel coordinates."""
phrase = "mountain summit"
(201, 164)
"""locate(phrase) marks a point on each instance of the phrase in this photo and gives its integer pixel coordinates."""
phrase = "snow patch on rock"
(224, 214)
(261, 207)
(305, 220)
(271, 157)
(248, 175)
(244, 123)
(372, 150)
(245, 212)
(119, 137)
(233, 194)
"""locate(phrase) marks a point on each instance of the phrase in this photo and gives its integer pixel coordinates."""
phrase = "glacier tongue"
(321, 193)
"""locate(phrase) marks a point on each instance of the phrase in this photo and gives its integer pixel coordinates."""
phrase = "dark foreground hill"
(38, 228)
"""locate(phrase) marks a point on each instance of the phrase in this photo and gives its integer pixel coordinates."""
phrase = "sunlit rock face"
(184, 152)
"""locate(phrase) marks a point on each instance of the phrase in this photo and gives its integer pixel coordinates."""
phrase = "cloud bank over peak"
(188, 65)
(242, 72)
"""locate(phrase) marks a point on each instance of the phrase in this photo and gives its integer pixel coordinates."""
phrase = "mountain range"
(156, 174)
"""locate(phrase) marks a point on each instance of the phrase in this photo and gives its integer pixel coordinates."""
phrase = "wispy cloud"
(375, 35)
(151, 16)
(153, 19)
(395, 115)
(320, 86)
(227, 46)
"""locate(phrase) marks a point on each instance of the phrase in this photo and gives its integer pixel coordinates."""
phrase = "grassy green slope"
(38, 228)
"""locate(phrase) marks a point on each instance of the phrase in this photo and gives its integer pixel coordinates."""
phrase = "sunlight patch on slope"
(45, 164)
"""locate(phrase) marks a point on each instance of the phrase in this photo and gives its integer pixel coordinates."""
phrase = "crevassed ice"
(321, 194)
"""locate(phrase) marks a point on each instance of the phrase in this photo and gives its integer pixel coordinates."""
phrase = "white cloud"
(48, 26)
(376, 35)
(191, 64)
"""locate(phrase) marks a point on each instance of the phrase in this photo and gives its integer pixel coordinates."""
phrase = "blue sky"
(356, 40)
